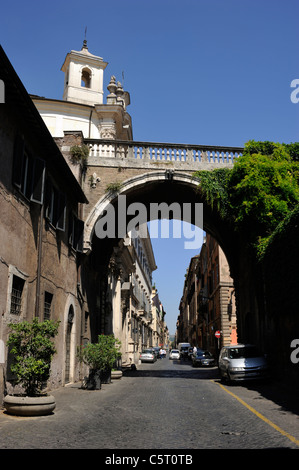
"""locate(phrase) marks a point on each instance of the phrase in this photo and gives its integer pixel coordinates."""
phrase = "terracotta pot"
(29, 406)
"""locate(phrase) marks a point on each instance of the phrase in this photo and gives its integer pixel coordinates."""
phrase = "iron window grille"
(16, 295)
(47, 305)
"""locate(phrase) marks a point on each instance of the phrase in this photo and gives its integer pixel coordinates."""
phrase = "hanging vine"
(258, 192)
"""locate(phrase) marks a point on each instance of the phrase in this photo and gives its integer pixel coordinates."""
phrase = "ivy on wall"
(258, 192)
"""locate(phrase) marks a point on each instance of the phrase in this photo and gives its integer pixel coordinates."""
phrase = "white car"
(174, 354)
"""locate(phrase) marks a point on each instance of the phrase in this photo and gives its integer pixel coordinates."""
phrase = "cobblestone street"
(165, 405)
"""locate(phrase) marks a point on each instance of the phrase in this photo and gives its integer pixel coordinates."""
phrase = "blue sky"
(214, 72)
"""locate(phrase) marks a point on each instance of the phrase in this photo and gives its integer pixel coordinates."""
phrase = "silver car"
(242, 362)
(148, 355)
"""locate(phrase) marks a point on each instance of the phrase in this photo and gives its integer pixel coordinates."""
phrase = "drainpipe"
(39, 261)
(89, 129)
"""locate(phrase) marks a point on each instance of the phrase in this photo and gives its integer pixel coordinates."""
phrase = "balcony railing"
(162, 152)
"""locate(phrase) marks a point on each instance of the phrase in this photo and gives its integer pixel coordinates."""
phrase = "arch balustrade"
(184, 154)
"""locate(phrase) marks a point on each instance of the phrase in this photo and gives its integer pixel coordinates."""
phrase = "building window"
(47, 305)
(55, 207)
(86, 78)
(16, 295)
(76, 232)
(28, 172)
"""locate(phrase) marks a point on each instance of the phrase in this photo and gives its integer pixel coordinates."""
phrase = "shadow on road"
(278, 392)
(281, 394)
(192, 373)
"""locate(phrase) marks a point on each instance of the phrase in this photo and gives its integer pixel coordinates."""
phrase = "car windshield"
(204, 354)
(147, 351)
(176, 351)
(241, 353)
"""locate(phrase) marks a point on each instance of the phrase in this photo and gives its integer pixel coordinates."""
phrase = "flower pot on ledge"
(29, 406)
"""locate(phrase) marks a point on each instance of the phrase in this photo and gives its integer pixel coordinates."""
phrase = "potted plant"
(100, 357)
(32, 351)
(79, 154)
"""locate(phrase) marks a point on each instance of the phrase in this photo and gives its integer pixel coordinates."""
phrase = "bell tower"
(83, 77)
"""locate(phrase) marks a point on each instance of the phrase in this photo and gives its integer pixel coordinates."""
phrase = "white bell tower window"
(86, 78)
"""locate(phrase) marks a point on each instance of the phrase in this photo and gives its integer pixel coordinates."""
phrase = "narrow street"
(165, 405)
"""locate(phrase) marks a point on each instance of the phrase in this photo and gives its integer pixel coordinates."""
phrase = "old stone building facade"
(45, 270)
(40, 231)
(208, 301)
(130, 286)
(160, 329)
(117, 286)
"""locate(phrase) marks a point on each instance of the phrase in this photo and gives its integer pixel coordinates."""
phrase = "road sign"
(217, 334)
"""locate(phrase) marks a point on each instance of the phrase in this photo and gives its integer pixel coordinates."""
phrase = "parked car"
(148, 355)
(202, 358)
(242, 362)
(190, 352)
(174, 354)
(184, 352)
(156, 350)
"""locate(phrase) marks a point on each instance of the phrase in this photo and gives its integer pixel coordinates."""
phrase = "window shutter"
(61, 211)
(79, 235)
(26, 187)
(18, 159)
(48, 200)
(38, 181)
(76, 233)
(71, 230)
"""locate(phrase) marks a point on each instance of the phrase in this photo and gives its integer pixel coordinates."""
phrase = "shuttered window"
(28, 172)
(38, 181)
(55, 207)
(76, 232)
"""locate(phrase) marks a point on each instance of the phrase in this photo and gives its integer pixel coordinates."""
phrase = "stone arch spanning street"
(144, 173)
(165, 186)
(138, 185)
(148, 173)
